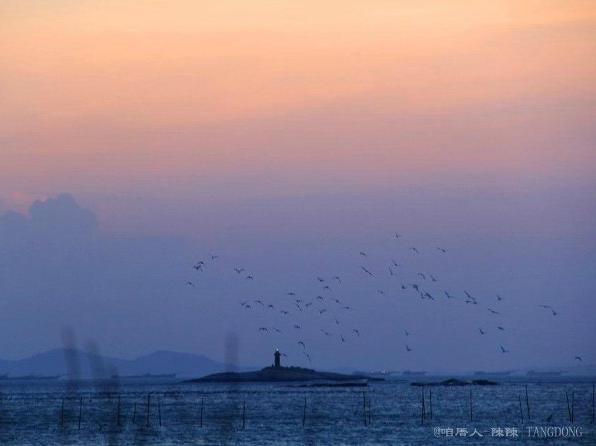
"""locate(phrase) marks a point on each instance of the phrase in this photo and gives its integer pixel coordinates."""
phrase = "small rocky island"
(278, 373)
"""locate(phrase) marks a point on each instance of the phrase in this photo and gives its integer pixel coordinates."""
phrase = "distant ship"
(146, 376)
(481, 373)
(30, 377)
(536, 374)
(413, 373)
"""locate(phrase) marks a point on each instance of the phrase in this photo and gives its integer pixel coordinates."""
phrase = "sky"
(137, 138)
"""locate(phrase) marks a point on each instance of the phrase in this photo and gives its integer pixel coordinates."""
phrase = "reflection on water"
(168, 412)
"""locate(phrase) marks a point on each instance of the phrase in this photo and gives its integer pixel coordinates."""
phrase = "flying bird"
(408, 349)
(579, 358)
(189, 283)
(367, 271)
(493, 311)
(362, 253)
(406, 332)
(250, 277)
(422, 275)
(481, 331)
(503, 350)
(413, 249)
(337, 278)
(356, 331)
(302, 344)
(443, 250)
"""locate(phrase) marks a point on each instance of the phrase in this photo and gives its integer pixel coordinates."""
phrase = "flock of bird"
(325, 302)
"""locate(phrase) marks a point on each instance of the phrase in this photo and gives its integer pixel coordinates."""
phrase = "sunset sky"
(281, 125)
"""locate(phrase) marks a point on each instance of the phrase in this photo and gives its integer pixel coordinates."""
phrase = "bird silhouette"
(414, 250)
(503, 350)
(363, 254)
(579, 358)
(302, 344)
(481, 331)
(408, 349)
(189, 283)
(367, 271)
(443, 250)
(493, 311)
(356, 331)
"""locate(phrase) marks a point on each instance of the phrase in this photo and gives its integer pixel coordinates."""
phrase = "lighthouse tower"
(277, 356)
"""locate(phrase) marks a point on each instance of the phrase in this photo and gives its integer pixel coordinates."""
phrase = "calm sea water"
(48, 413)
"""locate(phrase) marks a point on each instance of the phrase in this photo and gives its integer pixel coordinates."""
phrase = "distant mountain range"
(80, 364)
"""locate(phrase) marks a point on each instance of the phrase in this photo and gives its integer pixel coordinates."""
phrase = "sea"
(393, 412)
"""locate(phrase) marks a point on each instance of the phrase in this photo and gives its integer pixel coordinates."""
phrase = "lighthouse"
(277, 358)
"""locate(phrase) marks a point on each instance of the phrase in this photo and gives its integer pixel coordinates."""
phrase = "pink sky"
(165, 98)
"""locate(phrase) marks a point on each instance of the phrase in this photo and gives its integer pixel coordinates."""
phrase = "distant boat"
(536, 374)
(146, 376)
(413, 373)
(481, 373)
(30, 377)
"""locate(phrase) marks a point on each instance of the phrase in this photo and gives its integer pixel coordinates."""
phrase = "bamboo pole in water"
(369, 412)
(422, 405)
(62, 413)
(148, 406)
(202, 406)
(134, 413)
(471, 412)
(572, 406)
(304, 413)
(80, 411)
(430, 401)
(568, 406)
(364, 407)
(593, 403)
(244, 414)
(159, 410)
(118, 412)
(528, 403)
(521, 411)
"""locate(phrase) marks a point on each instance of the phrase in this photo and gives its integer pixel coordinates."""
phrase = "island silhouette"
(279, 373)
